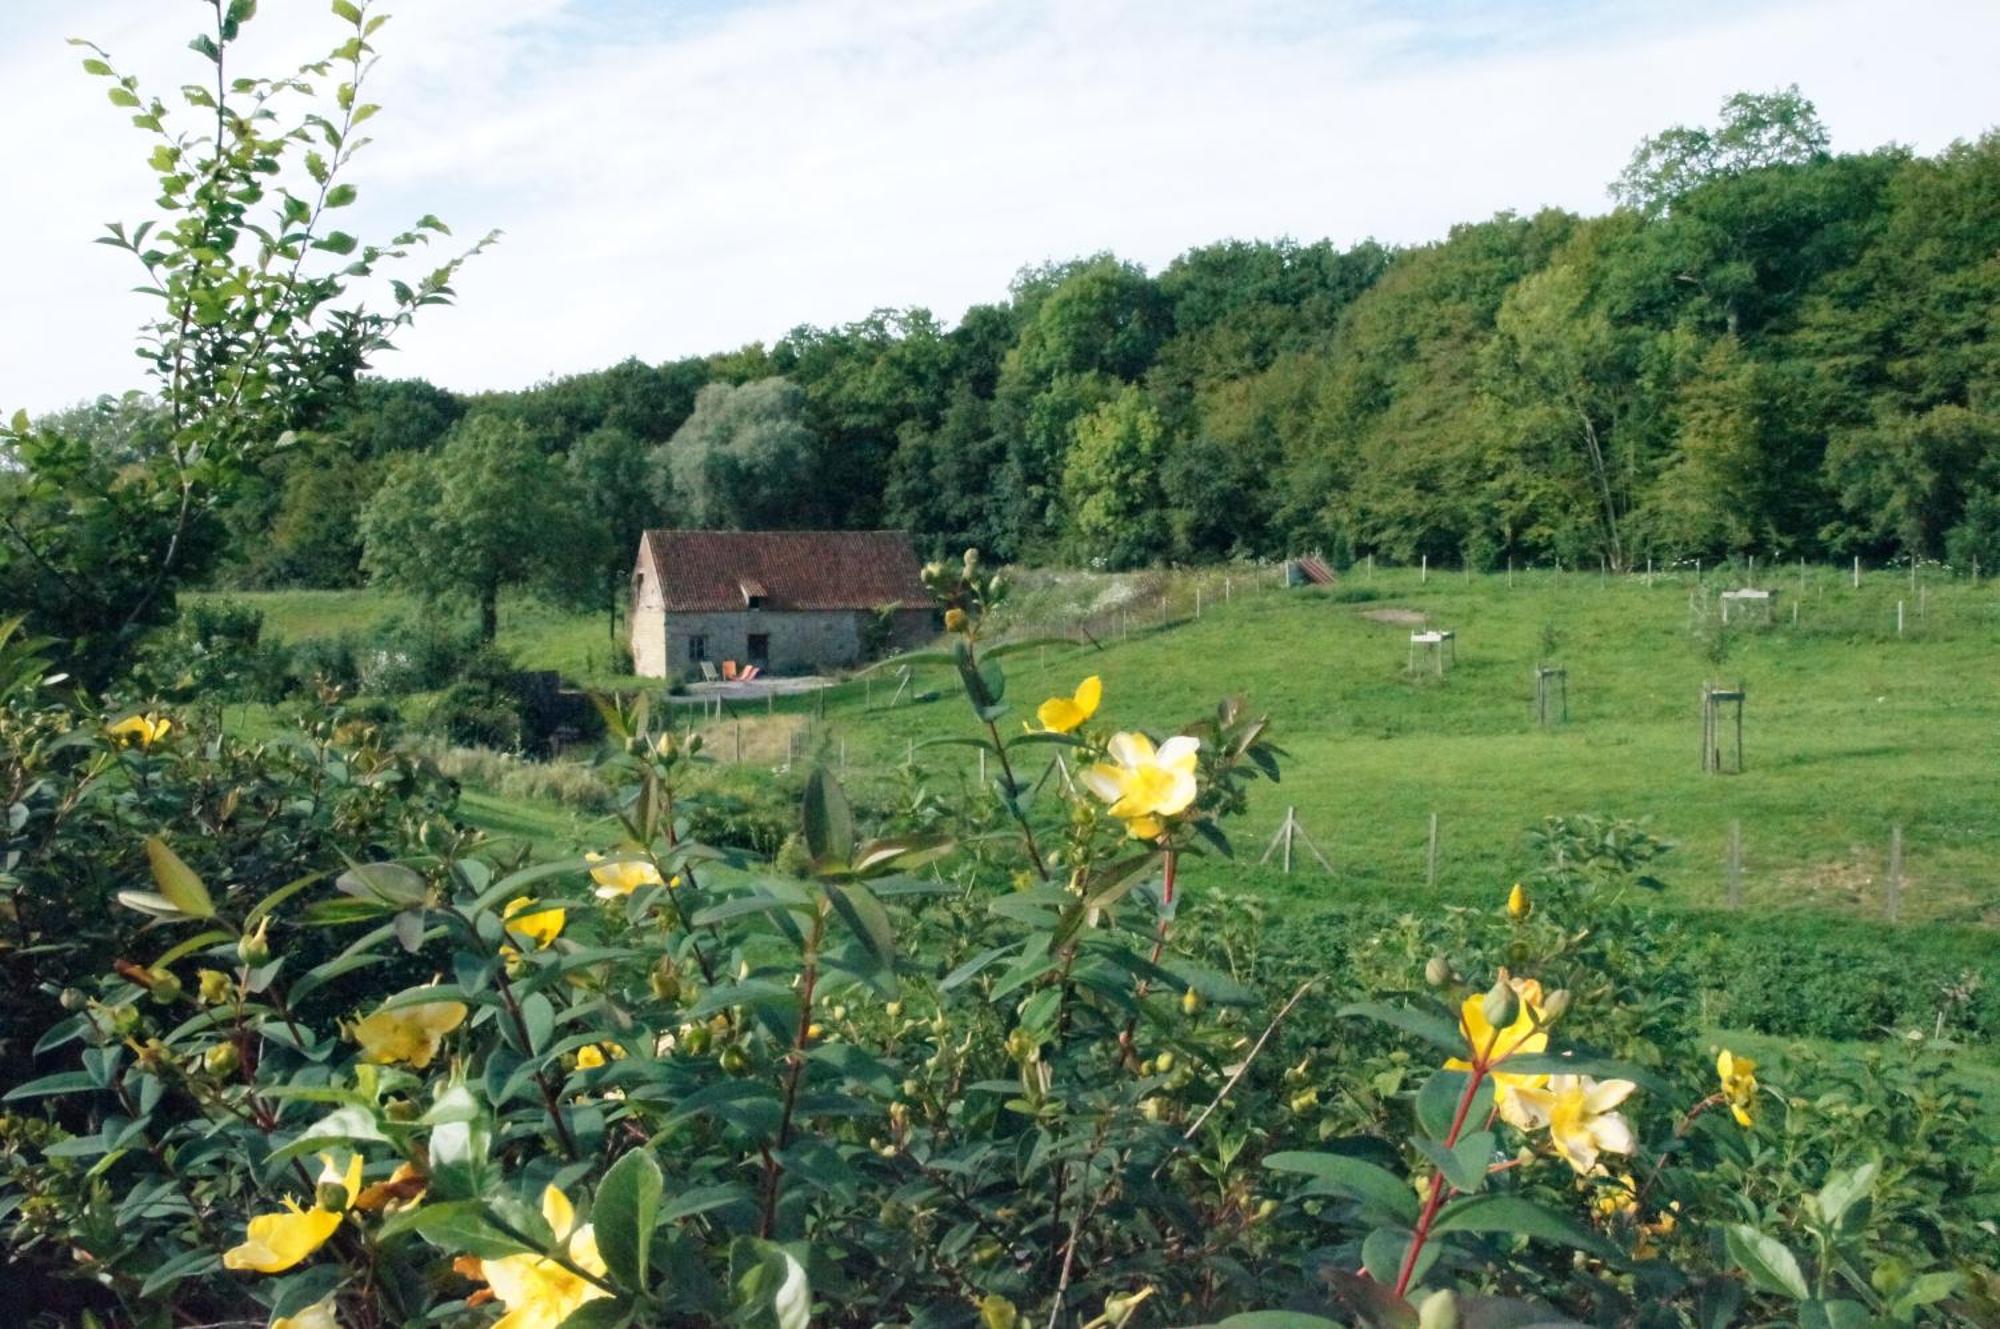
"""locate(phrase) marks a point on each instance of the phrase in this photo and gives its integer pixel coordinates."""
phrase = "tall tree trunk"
(489, 611)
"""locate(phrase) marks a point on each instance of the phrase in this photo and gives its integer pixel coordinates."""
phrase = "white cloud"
(684, 181)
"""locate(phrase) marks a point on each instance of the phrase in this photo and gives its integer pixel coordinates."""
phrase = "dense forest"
(1766, 347)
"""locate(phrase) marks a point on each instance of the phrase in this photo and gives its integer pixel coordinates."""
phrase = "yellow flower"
(1518, 904)
(408, 1033)
(1619, 1201)
(541, 927)
(954, 619)
(216, 986)
(1061, 715)
(537, 1292)
(616, 879)
(1739, 1084)
(589, 1057)
(145, 730)
(1578, 1112)
(1144, 784)
(319, 1315)
(274, 1243)
(1490, 1046)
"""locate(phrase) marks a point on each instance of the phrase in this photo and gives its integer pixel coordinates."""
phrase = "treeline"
(1766, 348)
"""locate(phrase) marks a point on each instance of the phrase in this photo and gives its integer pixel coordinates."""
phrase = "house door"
(760, 649)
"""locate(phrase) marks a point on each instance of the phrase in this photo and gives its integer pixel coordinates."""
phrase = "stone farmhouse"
(785, 601)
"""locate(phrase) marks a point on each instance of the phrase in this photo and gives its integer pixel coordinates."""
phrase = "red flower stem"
(1439, 1189)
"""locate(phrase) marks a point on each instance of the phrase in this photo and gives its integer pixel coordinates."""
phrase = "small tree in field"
(486, 510)
(261, 324)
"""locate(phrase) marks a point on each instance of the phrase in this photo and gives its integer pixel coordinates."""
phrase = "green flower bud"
(1438, 973)
(734, 1060)
(253, 948)
(996, 1312)
(1554, 1005)
(331, 1196)
(1499, 1005)
(73, 999)
(163, 986)
(220, 1060)
(1190, 1002)
(216, 987)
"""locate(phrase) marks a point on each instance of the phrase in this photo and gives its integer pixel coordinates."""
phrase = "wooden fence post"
(1895, 900)
(1431, 855)
(1735, 865)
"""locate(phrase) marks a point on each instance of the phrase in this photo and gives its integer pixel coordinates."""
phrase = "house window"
(697, 648)
(760, 649)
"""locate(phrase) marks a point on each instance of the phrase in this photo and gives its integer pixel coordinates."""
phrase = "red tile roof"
(710, 571)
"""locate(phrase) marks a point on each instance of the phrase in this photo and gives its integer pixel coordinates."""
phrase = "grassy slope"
(1850, 730)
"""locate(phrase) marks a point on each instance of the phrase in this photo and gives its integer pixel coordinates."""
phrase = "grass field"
(1850, 729)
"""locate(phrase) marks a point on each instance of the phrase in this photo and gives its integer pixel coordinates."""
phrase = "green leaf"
(185, 1265)
(1384, 1250)
(348, 10)
(1431, 1026)
(458, 1227)
(460, 1141)
(340, 196)
(601, 1313)
(1842, 1189)
(1371, 1185)
(1772, 1268)
(63, 1082)
(177, 881)
(768, 1286)
(1511, 1213)
(625, 1213)
(1277, 1320)
(867, 919)
(829, 821)
(1464, 1165)
(391, 883)
(1438, 1100)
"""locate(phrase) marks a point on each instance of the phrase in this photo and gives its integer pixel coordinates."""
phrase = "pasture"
(1850, 730)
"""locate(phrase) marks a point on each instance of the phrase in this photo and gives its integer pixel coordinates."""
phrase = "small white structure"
(1746, 599)
(1441, 645)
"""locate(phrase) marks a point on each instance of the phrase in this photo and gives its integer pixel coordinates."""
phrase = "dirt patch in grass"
(1406, 616)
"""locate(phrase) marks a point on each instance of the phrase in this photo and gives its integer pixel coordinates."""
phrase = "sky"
(674, 178)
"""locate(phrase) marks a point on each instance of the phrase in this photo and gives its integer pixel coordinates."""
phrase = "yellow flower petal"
(274, 1243)
(319, 1315)
(1061, 715)
(541, 926)
(616, 879)
(408, 1033)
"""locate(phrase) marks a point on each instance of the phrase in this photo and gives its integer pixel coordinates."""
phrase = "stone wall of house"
(649, 625)
(801, 641)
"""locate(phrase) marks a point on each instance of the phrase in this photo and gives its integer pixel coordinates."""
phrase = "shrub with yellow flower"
(1580, 1115)
(144, 730)
(622, 878)
(409, 1034)
(273, 1243)
(1144, 785)
(1739, 1084)
(541, 1293)
(1065, 715)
